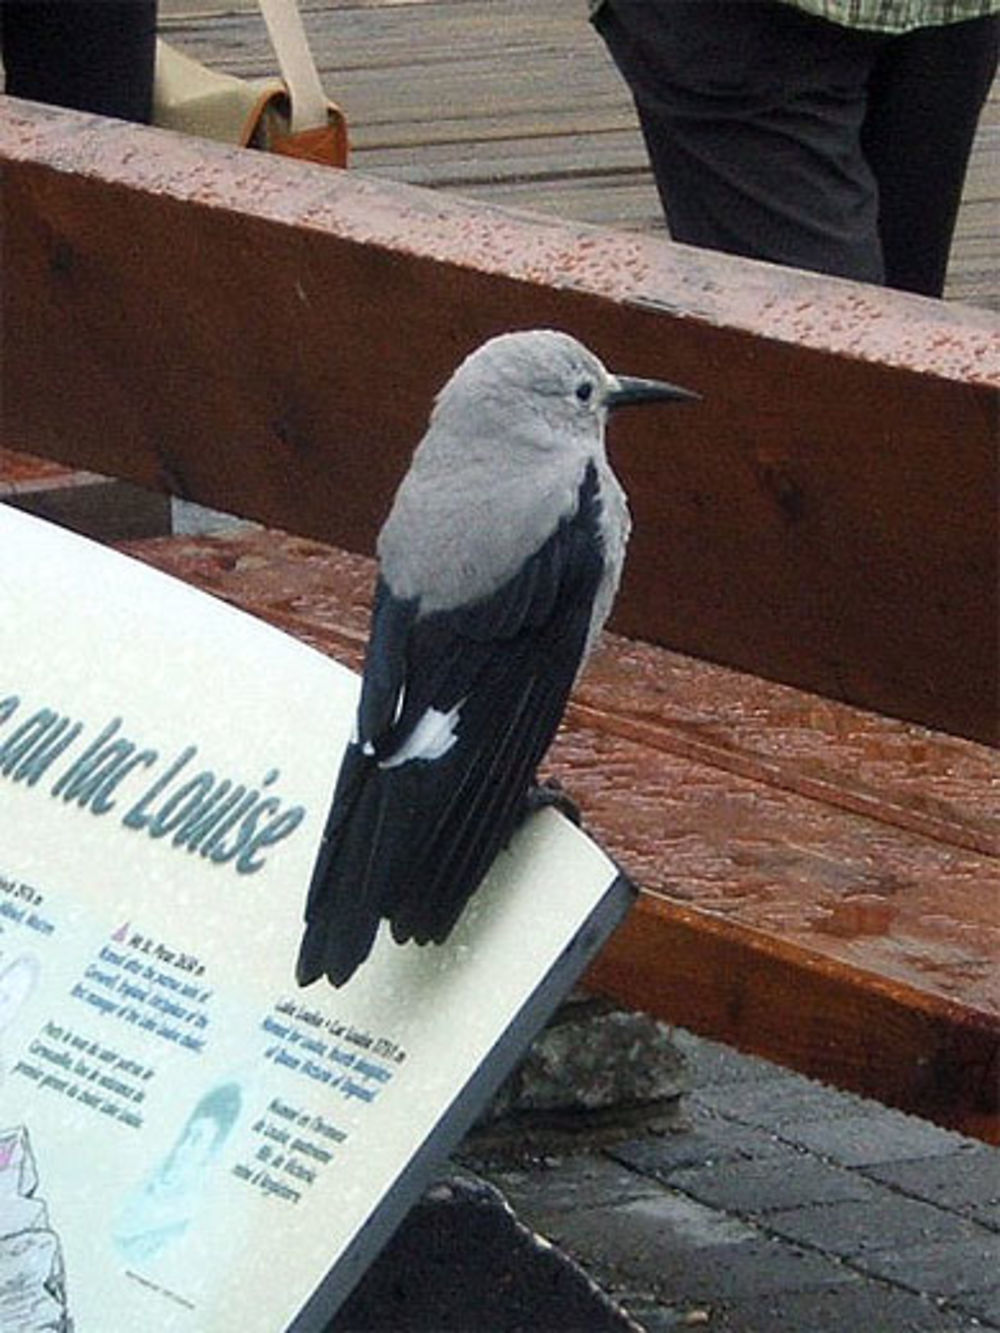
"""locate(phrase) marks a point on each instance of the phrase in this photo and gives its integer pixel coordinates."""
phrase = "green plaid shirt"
(897, 15)
(887, 15)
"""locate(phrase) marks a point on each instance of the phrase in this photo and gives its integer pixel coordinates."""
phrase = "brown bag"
(289, 115)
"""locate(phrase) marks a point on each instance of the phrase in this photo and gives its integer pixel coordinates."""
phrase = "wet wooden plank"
(21, 472)
(830, 1021)
(825, 516)
(819, 884)
(104, 508)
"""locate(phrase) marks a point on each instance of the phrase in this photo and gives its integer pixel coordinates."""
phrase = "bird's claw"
(552, 793)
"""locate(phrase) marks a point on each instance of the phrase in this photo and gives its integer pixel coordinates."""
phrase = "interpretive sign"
(187, 1140)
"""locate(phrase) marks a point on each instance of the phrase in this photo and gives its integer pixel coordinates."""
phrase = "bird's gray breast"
(615, 525)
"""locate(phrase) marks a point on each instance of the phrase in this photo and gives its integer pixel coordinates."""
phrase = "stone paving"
(784, 1205)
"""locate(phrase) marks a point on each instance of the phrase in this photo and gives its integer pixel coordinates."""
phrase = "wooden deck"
(516, 102)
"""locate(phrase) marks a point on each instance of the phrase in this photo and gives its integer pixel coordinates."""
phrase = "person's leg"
(752, 113)
(926, 94)
(90, 55)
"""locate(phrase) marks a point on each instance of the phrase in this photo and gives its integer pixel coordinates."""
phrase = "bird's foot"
(552, 793)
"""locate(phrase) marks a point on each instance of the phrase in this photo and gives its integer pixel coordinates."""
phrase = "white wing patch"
(431, 738)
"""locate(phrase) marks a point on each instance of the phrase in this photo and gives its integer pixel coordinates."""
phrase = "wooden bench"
(791, 750)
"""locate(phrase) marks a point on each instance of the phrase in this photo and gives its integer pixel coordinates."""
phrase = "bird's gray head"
(510, 439)
(544, 386)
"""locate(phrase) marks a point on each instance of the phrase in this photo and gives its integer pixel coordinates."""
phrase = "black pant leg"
(90, 55)
(926, 94)
(752, 115)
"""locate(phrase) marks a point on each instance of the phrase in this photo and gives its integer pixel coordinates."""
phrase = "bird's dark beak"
(626, 389)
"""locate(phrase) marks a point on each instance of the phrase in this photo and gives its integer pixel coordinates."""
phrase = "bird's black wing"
(411, 839)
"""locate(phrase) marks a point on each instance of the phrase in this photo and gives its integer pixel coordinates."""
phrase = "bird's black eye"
(584, 391)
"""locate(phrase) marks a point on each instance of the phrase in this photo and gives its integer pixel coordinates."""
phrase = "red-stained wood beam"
(871, 1034)
(266, 337)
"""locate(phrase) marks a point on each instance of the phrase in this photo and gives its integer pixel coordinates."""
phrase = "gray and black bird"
(498, 565)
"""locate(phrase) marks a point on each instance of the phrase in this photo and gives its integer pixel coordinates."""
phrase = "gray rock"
(595, 1071)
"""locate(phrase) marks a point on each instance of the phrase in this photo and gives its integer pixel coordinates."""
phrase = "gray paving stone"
(872, 1138)
(773, 1102)
(683, 1251)
(985, 1305)
(710, 1062)
(668, 1222)
(860, 1307)
(753, 1269)
(711, 1141)
(949, 1269)
(586, 1181)
(787, 1207)
(967, 1181)
(655, 1317)
(618, 1245)
(764, 1186)
(888, 1222)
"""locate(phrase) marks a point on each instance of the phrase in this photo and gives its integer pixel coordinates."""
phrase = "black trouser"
(91, 55)
(785, 137)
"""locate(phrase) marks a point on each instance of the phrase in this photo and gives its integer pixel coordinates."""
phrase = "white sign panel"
(187, 1140)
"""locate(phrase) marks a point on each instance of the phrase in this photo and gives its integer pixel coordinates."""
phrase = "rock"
(595, 1072)
(461, 1260)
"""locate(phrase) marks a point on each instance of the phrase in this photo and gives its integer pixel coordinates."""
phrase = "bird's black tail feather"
(341, 918)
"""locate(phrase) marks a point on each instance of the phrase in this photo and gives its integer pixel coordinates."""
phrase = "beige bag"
(290, 115)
